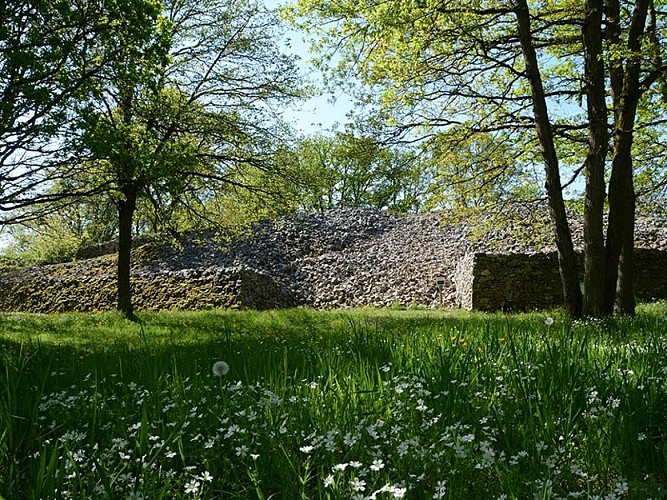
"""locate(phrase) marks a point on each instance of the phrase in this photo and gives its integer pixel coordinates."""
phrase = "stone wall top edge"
(641, 250)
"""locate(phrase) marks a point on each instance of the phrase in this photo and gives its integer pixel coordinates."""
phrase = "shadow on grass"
(553, 366)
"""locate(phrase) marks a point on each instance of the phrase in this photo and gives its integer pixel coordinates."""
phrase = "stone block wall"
(522, 282)
(510, 282)
(650, 274)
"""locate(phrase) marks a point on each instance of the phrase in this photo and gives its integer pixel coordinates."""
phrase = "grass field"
(313, 405)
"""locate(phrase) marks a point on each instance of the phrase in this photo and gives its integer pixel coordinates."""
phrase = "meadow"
(363, 404)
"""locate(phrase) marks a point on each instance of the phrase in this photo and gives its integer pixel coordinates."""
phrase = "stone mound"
(337, 259)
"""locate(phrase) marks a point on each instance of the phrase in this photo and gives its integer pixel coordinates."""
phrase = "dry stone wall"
(343, 258)
(651, 274)
(510, 282)
(186, 290)
(520, 282)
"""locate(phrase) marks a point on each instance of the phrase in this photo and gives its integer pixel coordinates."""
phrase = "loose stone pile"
(342, 258)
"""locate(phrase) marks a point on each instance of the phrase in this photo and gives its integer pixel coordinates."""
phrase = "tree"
(50, 54)
(56, 234)
(178, 112)
(357, 168)
(514, 67)
(474, 171)
(625, 29)
(631, 75)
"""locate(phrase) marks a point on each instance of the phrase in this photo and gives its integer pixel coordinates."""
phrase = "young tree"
(177, 113)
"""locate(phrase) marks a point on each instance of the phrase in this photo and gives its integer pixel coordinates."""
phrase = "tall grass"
(360, 404)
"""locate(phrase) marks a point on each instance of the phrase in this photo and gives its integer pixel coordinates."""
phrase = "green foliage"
(354, 168)
(444, 67)
(174, 127)
(50, 66)
(49, 246)
(329, 405)
(476, 170)
(55, 236)
(649, 152)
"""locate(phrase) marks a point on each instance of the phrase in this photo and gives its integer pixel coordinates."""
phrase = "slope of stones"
(342, 258)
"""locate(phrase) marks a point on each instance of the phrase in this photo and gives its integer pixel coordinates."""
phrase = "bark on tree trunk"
(619, 256)
(566, 257)
(598, 139)
(625, 85)
(626, 272)
(126, 209)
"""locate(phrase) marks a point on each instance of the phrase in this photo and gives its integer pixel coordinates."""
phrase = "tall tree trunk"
(126, 208)
(598, 139)
(625, 85)
(567, 261)
(626, 268)
(619, 256)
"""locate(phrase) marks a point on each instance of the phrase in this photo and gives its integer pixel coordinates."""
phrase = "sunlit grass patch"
(357, 404)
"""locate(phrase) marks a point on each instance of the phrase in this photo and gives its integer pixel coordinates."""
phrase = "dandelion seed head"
(220, 368)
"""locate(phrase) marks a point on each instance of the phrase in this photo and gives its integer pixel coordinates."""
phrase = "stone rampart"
(235, 287)
(522, 282)
(338, 259)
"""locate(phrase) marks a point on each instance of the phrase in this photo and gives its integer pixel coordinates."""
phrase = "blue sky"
(318, 113)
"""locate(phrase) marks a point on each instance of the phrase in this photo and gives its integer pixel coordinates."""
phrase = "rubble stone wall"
(182, 290)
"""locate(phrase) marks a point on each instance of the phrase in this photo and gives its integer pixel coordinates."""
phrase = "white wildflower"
(377, 465)
(358, 484)
(468, 438)
(621, 488)
(339, 467)
(440, 490)
(395, 491)
(192, 486)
